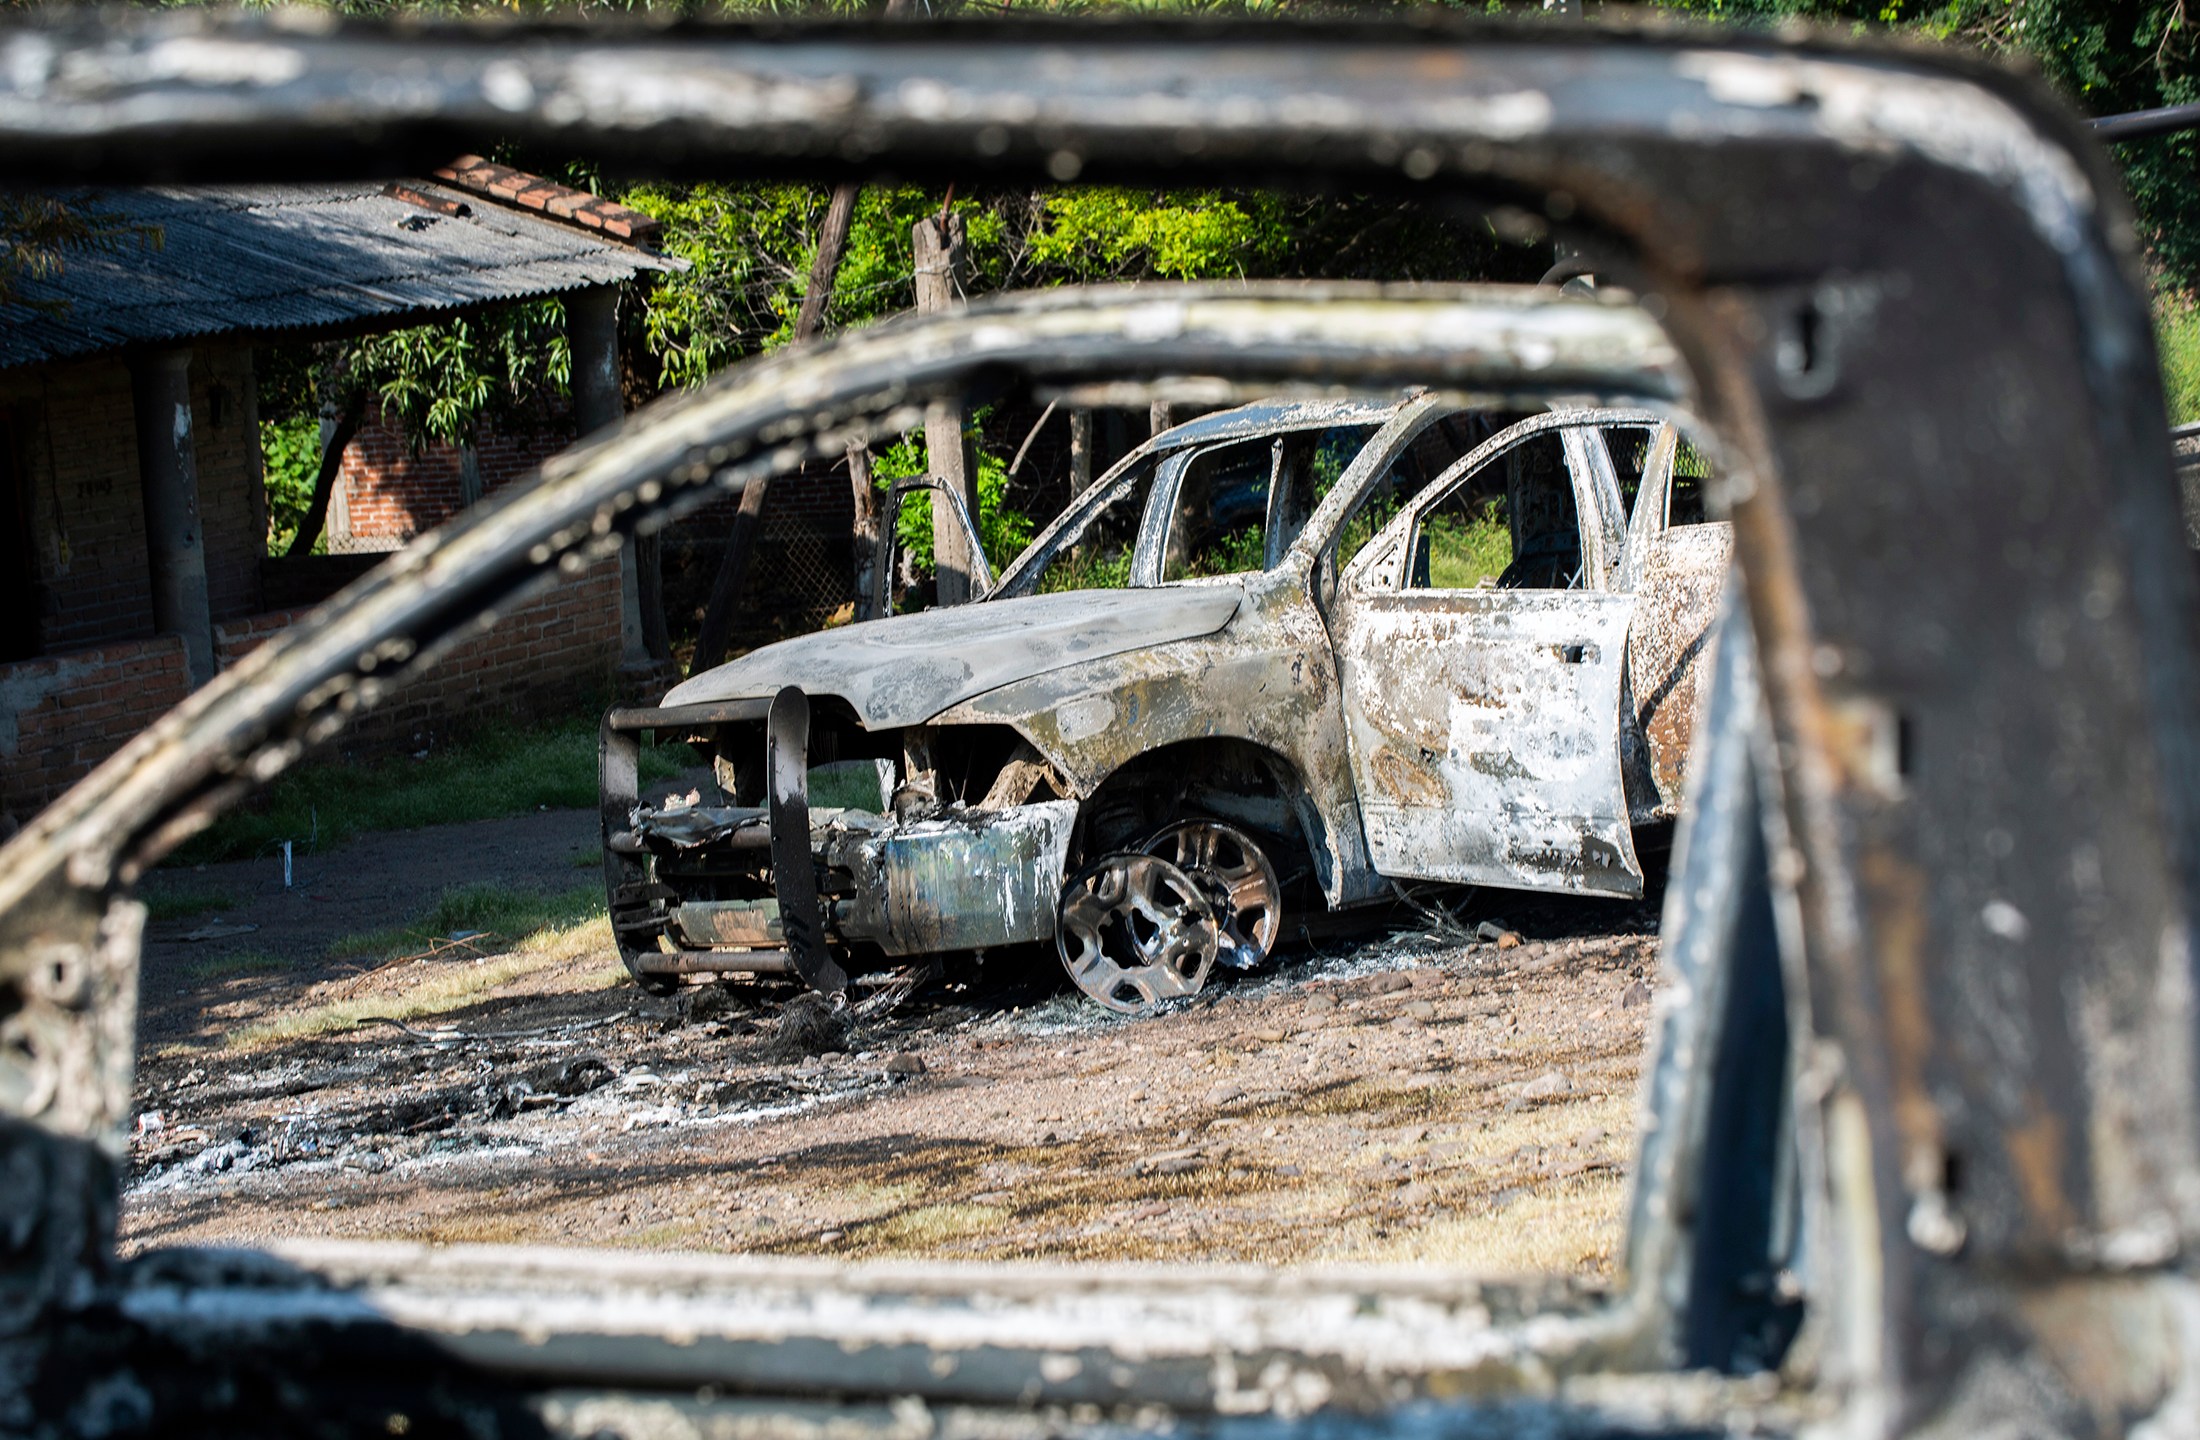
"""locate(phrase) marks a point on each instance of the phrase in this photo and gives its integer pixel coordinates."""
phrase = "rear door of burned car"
(1676, 565)
(1481, 641)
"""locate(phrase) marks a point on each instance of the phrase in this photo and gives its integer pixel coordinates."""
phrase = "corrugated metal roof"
(250, 258)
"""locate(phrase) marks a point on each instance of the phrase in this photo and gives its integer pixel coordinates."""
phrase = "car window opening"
(1685, 501)
(1511, 524)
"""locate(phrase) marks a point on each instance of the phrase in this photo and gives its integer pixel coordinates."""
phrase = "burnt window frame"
(1764, 115)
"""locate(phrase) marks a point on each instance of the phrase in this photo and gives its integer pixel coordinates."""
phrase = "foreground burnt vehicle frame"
(1977, 863)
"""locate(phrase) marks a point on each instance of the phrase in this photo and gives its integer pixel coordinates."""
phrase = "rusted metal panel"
(962, 882)
(1684, 572)
(747, 923)
(1485, 736)
(1269, 679)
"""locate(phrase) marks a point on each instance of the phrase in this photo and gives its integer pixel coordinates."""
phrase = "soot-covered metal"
(1936, 895)
(1289, 645)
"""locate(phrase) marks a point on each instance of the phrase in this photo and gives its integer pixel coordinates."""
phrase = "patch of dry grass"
(1561, 1227)
(438, 987)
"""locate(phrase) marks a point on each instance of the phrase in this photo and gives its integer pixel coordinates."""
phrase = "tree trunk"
(832, 242)
(324, 482)
(939, 257)
(1080, 452)
(864, 534)
(725, 587)
(733, 565)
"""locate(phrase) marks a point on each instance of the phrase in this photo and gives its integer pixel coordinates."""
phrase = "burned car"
(1277, 659)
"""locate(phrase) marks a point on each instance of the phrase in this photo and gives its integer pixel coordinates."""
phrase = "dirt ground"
(1411, 1094)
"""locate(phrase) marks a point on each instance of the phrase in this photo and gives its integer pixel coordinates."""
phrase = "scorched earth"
(1414, 1092)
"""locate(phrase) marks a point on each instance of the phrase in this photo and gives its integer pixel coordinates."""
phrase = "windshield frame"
(1178, 447)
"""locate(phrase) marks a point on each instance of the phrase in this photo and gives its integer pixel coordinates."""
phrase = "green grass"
(1464, 552)
(181, 902)
(2178, 324)
(496, 771)
(507, 918)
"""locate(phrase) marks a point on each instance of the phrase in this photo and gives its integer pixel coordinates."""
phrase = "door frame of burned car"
(1929, 933)
(1157, 810)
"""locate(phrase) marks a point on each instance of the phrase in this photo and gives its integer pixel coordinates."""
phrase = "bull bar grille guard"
(637, 902)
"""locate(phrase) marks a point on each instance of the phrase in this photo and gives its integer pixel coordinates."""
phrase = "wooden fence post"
(939, 256)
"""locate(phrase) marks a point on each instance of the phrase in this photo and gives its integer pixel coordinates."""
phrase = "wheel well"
(1235, 781)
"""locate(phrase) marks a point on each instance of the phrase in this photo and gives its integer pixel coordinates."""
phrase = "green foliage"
(1107, 233)
(1082, 569)
(1464, 551)
(290, 449)
(501, 770)
(1240, 551)
(441, 381)
(2178, 323)
(749, 249)
(1002, 529)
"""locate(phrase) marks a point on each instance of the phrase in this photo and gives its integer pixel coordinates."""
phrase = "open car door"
(1481, 654)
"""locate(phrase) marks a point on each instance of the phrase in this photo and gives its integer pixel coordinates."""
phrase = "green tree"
(2108, 56)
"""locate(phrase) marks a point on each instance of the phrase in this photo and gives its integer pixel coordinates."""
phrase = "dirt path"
(1412, 1097)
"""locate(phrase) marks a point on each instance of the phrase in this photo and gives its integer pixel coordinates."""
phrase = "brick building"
(133, 521)
(388, 490)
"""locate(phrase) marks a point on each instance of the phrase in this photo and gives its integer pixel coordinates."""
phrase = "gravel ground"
(1413, 1096)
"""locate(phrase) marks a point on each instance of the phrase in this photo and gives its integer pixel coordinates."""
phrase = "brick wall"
(78, 454)
(61, 715)
(541, 657)
(237, 638)
(391, 493)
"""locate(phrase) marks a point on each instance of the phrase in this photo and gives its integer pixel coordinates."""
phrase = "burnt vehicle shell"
(1986, 1124)
(1359, 730)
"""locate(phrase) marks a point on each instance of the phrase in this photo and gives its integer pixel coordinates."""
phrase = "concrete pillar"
(168, 473)
(592, 330)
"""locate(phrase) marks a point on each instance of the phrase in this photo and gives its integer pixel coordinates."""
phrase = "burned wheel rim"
(1134, 930)
(1238, 881)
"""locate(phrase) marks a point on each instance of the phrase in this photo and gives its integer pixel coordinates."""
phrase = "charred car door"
(1676, 565)
(1481, 648)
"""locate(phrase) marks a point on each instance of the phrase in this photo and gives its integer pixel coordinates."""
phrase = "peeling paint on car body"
(1469, 737)
(905, 669)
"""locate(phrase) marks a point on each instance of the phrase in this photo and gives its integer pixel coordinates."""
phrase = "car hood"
(908, 668)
